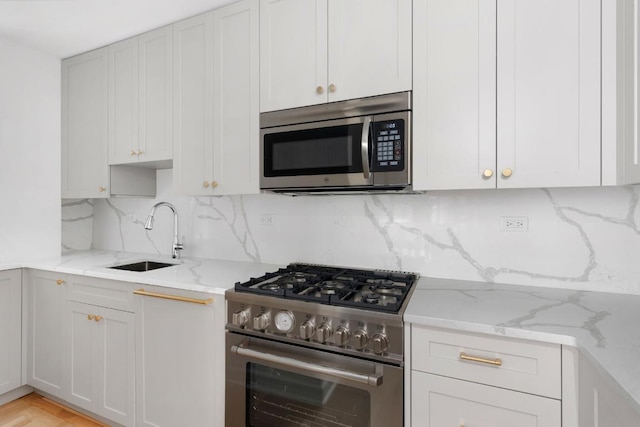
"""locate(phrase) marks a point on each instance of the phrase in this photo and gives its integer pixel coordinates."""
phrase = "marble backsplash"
(577, 238)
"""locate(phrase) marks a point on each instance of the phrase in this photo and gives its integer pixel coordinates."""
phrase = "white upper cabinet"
(216, 101)
(506, 93)
(141, 98)
(85, 172)
(317, 51)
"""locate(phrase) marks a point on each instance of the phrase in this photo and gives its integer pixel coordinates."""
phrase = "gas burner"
(330, 287)
(381, 282)
(299, 277)
(387, 290)
(276, 286)
(371, 297)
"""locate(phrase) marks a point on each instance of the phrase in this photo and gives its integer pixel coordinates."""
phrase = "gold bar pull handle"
(494, 362)
(173, 297)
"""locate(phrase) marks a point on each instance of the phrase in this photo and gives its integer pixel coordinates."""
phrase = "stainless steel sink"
(142, 266)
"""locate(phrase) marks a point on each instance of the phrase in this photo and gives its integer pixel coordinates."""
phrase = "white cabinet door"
(506, 94)
(599, 404)
(101, 361)
(193, 104)
(156, 95)
(236, 98)
(548, 67)
(217, 105)
(179, 360)
(46, 293)
(369, 48)
(85, 172)
(10, 330)
(444, 402)
(454, 126)
(293, 53)
(123, 101)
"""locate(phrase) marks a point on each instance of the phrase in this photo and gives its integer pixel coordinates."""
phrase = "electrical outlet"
(132, 217)
(514, 223)
(265, 219)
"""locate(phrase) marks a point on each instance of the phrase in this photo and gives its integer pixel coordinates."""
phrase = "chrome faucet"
(148, 225)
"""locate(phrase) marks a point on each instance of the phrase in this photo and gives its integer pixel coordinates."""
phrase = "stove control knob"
(360, 339)
(261, 321)
(324, 333)
(240, 317)
(307, 329)
(342, 336)
(380, 343)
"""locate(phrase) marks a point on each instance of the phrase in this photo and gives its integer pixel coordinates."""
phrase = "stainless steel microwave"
(358, 145)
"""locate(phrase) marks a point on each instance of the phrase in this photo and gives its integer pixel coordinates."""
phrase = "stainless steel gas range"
(316, 346)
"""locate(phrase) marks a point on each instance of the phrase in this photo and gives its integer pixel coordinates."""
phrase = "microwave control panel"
(388, 146)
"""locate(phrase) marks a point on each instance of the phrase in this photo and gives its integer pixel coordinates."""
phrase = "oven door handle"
(364, 147)
(371, 379)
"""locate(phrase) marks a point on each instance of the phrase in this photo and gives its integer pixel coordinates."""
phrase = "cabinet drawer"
(101, 292)
(531, 367)
(439, 402)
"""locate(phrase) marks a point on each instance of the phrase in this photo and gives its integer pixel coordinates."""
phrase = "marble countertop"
(604, 326)
(195, 274)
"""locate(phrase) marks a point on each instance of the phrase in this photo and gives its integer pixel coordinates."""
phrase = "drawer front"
(101, 292)
(444, 402)
(531, 367)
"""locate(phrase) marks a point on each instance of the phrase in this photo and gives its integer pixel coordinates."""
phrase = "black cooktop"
(364, 289)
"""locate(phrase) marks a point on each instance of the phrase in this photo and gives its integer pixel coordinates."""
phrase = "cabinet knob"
(332, 88)
(133, 153)
(98, 318)
(214, 184)
(140, 152)
(91, 317)
(507, 173)
(319, 90)
(205, 184)
(102, 189)
(488, 173)
(59, 282)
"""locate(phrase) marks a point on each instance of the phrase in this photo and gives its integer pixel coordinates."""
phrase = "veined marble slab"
(195, 274)
(604, 326)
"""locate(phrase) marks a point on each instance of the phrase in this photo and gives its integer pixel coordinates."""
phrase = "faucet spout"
(148, 225)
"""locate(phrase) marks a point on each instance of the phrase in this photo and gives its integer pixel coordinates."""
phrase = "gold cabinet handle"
(133, 153)
(214, 184)
(98, 318)
(173, 297)
(59, 282)
(507, 173)
(102, 189)
(319, 90)
(205, 184)
(91, 317)
(488, 173)
(332, 88)
(140, 152)
(494, 362)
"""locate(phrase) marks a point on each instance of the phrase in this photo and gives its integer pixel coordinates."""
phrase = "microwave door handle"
(364, 147)
(374, 380)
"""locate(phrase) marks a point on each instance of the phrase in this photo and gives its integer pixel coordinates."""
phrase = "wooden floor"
(34, 410)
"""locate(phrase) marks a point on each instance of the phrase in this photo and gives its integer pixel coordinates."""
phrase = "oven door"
(270, 384)
(334, 153)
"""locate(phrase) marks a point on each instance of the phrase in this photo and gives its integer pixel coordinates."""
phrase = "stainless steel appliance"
(317, 346)
(362, 144)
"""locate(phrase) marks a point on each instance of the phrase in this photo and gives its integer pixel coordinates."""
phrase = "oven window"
(278, 398)
(329, 150)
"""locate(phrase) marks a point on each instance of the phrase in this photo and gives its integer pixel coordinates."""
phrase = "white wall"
(29, 153)
(578, 238)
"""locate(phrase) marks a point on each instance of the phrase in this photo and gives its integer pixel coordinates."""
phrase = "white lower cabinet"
(179, 358)
(10, 330)
(100, 346)
(467, 379)
(46, 293)
(438, 401)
